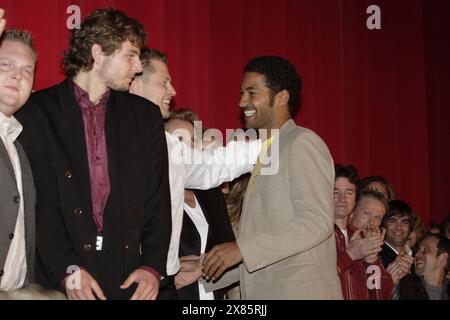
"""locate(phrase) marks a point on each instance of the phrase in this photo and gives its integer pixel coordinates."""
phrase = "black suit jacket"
(137, 220)
(220, 230)
(411, 287)
(387, 255)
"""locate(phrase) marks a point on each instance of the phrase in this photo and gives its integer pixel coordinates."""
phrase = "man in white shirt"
(155, 85)
(17, 196)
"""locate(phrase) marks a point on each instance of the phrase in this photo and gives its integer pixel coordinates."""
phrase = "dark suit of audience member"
(387, 255)
(412, 287)
(136, 221)
(213, 205)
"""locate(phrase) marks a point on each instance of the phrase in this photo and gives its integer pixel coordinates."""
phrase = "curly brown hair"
(106, 27)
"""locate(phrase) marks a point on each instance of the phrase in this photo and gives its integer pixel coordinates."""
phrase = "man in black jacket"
(99, 161)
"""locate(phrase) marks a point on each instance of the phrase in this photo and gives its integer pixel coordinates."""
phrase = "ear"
(97, 53)
(443, 258)
(282, 98)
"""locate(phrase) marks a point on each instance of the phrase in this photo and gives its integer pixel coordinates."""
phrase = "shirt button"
(11, 236)
(68, 174)
(16, 199)
(78, 211)
(126, 247)
(87, 247)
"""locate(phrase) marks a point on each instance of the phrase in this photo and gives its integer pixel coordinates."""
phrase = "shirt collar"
(407, 249)
(82, 97)
(9, 127)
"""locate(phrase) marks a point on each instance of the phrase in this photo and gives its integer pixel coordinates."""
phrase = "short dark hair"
(280, 75)
(374, 194)
(106, 27)
(401, 209)
(148, 54)
(368, 180)
(443, 246)
(22, 36)
(348, 172)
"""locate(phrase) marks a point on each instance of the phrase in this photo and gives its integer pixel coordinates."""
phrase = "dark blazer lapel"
(73, 139)
(29, 199)
(113, 167)
(123, 147)
(210, 236)
(4, 156)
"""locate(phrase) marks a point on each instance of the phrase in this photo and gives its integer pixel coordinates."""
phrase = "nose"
(16, 75)
(243, 101)
(418, 254)
(398, 225)
(138, 66)
(341, 197)
(172, 91)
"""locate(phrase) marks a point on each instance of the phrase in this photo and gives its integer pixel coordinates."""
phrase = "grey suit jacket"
(286, 230)
(9, 207)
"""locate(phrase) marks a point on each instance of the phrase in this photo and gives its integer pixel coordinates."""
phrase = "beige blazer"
(286, 232)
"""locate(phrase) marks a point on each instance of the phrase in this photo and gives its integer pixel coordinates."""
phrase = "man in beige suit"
(286, 239)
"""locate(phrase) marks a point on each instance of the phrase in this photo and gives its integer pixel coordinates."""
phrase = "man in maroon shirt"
(99, 159)
(362, 276)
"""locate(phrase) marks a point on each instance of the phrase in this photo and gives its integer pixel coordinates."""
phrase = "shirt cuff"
(344, 262)
(152, 271)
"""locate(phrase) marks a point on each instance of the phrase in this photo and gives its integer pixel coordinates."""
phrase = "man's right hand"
(400, 267)
(80, 285)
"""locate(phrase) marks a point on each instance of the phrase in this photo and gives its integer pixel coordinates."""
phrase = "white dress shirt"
(15, 268)
(202, 170)
(198, 218)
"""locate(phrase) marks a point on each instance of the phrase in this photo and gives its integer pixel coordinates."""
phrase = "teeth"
(249, 113)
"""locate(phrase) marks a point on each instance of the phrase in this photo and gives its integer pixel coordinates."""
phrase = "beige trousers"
(33, 291)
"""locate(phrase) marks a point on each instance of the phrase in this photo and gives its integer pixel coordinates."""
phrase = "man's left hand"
(220, 258)
(148, 285)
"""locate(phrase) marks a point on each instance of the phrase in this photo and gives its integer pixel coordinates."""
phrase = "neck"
(89, 82)
(341, 222)
(189, 198)
(6, 114)
(435, 279)
(277, 124)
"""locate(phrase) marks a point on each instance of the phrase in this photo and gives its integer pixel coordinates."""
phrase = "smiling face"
(427, 260)
(118, 70)
(397, 230)
(257, 102)
(16, 75)
(156, 86)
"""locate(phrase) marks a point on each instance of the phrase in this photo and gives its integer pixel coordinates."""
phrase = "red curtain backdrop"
(378, 98)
